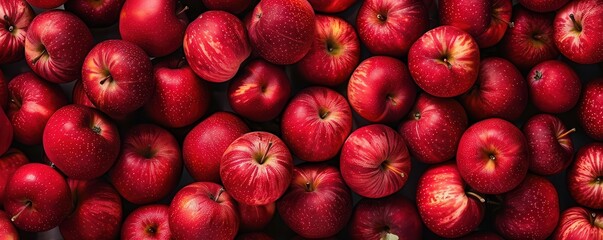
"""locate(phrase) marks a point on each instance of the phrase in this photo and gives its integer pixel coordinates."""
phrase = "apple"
(260, 91)
(3, 92)
(118, 77)
(149, 165)
(543, 5)
(500, 20)
(550, 148)
(6, 139)
(10, 161)
(79, 95)
(32, 102)
(445, 204)
(7, 230)
(444, 62)
(256, 168)
(433, 128)
(147, 222)
(46, 4)
(381, 89)
(17, 16)
(585, 177)
(231, 6)
(281, 31)
(211, 137)
(97, 211)
(389, 27)
(579, 223)
(316, 113)
(180, 97)
(102, 13)
(37, 198)
(374, 161)
(471, 16)
(56, 44)
(492, 156)
(155, 26)
(577, 31)
(203, 210)
(317, 204)
(500, 91)
(530, 211)
(590, 109)
(386, 218)
(334, 55)
(554, 86)
(331, 6)
(255, 217)
(215, 45)
(81, 142)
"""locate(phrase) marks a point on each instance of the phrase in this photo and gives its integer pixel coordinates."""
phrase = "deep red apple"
(578, 28)
(554, 86)
(231, 6)
(101, 13)
(7, 230)
(255, 217)
(381, 89)
(579, 223)
(543, 5)
(433, 128)
(17, 15)
(550, 148)
(148, 222)
(211, 137)
(331, 6)
(471, 16)
(590, 109)
(46, 4)
(374, 161)
(585, 177)
(9, 163)
(500, 20)
(386, 218)
(6, 139)
(79, 95)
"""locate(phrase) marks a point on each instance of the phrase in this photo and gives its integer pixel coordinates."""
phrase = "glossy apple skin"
(149, 165)
(389, 27)
(203, 210)
(316, 113)
(46, 4)
(583, 45)
(6, 139)
(590, 109)
(543, 5)
(548, 153)
(316, 190)
(215, 45)
(281, 31)
(255, 217)
(492, 156)
(554, 86)
(96, 13)
(3, 92)
(396, 214)
(471, 16)
(387, 80)
(7, 230)
(180, 96)
(500, 91)
(32, 103)
(579, 223)
(118, 77)
(331, 6)
(231, 6)
(433, 128)
(500, 18)
(13, 31)
(260, 92)
(531, 40)
(448, 71)
(585, 177)
(334, 55)
(530, 211)
(442, 201)
(256, 168)
(78, 95)
(148, 222)
(374, 161)
(97, 211)
(45, 190)
(10, 161)
(211, 137)
(155, 26)
(81, 142)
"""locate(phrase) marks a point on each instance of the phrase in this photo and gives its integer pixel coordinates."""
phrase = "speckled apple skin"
(582, 176)
(7, 229)
(471, 16)
(96, 14)
(500, 18)
(78, 95)
(10, 161)
(231, 6)
(543, 5)
(548, 154)
(254, 218)
(21, 15)
(577, 223)
(586, 46)
(140, 220)
(46, 4)
(331, 6)
(395, 213)
(554, 86)
(590, 109)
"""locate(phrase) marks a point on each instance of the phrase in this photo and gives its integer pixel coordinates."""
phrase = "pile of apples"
(374, 119)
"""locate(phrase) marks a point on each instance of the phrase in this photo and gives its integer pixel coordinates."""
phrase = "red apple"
(155, 26)
(585, 177)
(17, 16)
(255, 217)
(7, 230)
(46, 4)
(9, 163)
(331, 6)
(444, 62)
(500, 91)
(281, 31)
(101, 13)
(32, 103)
(81, 142)
(37, 197)
(316, 113)
(231, 6)
(554, 86)
(386, 218)
(118, 77)
(590, 109)
(334, 54)
(578, 28)
(492, 156)
(500, 17)
(433, 128)
(550, 148)
(56, 44)
(203, 210)
(180, 97)
(256, 168)
(317, 204)
(446, 206)
(3, 92)
(79, 95)
(6, 139)
(374, 161)
(97, 211)
(543, 5)
(471, 16)
(579, 223)
(381, 89)
(389, 27)
(260, 92)
(211, 137)
(148, 222)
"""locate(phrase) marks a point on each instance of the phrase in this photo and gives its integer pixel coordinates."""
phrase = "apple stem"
(510, 24)
(324, 114)
(218, 195)
(14, 101)
(447, 63)
(96, 129)
(566, 133)
(27, 204)
(592, 216)
(266, 153)
(537, 75)
(11, 28)
(492, 157)
(391, 98)
(480, 198)
(35, 60)
(393, 169)
(381, 17)
(183, 10)
(181, 62)
(102, 81)
(417, 115)
(308, 187)
(493, 202)
(537, 37)
(576, 24)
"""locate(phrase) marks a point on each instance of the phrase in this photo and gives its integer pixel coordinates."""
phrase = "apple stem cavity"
(381, 17)
(510, 24)
(576, 24)
(35, 60)
(391, 99)
(218, 195)
(263, 159)
(184, 9)
(96, 129)
(11, 28)
(537, 75)
(492, 157)
(480, 198)
(309, 187)
(27, 204)
(447, 63)
(566, 133)
(386, 165)
(102, 81)
(592, 216)
(417, 115)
